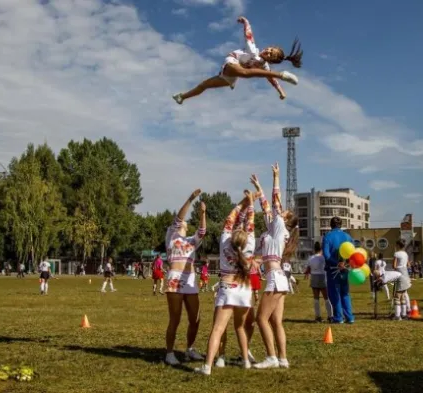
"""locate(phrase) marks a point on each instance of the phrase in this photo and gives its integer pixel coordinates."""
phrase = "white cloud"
(180, 12)
(223, 49)
(414, 197)
(368, 169)
(380, 185)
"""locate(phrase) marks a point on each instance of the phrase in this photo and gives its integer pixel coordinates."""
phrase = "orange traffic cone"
(85, 323)
(328, 336)
(415, 314)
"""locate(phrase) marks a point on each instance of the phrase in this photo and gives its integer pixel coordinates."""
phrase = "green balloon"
(356, 277)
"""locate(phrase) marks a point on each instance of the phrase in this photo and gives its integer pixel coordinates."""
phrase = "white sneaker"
(251, 358)
(103, 290)
(283, 363)
(246, 364)
(113, 290)
(220, 362)
(192, 354)
(269, 362)
(178, 98)
(204, 369)
(171, 359)
(288, 77)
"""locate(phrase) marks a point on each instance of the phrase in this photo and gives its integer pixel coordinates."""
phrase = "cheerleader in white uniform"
(380, 266)
(182, 288)
(277, 243)
(45, 274)
(250, 63)
(234, 295)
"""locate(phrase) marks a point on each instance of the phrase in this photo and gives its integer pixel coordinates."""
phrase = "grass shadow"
(403, 381)
(5, 339)
(150, 355)
(312, 321)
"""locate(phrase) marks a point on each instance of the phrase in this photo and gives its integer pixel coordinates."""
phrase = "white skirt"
(277, 281)
(184, 283)
(230, 79)
(233, 294)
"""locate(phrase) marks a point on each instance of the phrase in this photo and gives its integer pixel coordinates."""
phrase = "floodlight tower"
(291, 165)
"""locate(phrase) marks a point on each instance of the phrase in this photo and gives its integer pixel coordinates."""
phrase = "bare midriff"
(184, 267)
(272, 265)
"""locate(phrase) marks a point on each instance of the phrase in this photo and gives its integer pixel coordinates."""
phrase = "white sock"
(398, 310)
(329, 308)
(111, 286)
(385, 287)
(403, 310)
(154, 287)
(407, 301)
(317, 308)
(46, 287)
(42, 287)
(104, 286)
(161, 286)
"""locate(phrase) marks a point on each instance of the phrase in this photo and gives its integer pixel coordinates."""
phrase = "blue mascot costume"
(336, 274)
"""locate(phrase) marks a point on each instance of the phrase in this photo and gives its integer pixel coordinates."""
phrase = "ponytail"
(292, 244)
(295, 57)
(244, 266)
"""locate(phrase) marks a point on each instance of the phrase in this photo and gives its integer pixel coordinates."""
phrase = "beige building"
(316, 208)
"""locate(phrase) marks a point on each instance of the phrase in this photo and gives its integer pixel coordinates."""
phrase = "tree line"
(82, 204)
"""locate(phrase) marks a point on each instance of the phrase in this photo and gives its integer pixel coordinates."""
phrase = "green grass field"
(124, 349)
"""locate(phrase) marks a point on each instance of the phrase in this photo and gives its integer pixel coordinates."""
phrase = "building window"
(366, 207)
(303, 233)
(333, 201)
(359, 227)
(303, 202)
(370, 244)
(352, 226)
(323, 233)
(344, 224)
(351, 204)
(302, 213)
(303, 223)
(382, 243)
(367, 226)
(358, 207)
(325, 223)
(331, 212)
(357, 243)
(352, 215)
(359, 217)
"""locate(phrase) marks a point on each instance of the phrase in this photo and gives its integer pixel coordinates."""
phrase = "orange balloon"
(357, 260)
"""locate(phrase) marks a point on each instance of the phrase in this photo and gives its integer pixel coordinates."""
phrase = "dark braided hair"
(295, 57)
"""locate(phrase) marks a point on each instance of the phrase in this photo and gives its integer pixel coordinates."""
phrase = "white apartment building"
(316, 208)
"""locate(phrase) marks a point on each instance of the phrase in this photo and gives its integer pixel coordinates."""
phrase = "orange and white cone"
(85, 323)
(415, 314)
(328, 339)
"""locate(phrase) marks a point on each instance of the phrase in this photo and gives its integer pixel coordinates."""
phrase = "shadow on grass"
(404, 381)
(5, 339)
(301, 321)
(150, 355)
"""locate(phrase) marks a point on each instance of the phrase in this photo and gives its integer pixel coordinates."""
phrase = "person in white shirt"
(287, 268)
(45, 274)
(400, 264)
(316, 271)
(380, 266)
(108, 276)
(250, 63)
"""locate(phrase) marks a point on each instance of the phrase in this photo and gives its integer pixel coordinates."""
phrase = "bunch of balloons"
(357, 259)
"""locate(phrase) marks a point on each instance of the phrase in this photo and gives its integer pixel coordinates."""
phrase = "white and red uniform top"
(44, 266)
(228, 256)
(180, 248)
(272, 242)
(250, 56)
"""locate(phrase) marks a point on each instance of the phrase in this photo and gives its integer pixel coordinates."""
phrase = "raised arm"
(276, 193)
(262, 198)
(249, 225)
(185, 207)
(201, 231)
(248, 35)
(233, 219)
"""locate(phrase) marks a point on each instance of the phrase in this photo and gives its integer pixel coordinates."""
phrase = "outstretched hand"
(195, 194)
(202, 207)
(255, 181)
(275, 168)
(241, 19)
(249, 195)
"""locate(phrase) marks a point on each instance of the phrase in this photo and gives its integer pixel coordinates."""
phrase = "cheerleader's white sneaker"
(220, 362)
(269, 362)
(204, 369)
(283, 363)
(289, 77)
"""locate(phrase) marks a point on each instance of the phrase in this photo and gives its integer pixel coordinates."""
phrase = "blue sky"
(88, 68)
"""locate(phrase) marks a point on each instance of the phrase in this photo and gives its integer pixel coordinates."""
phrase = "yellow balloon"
(346, 249)
(361, 250)
(365, 269)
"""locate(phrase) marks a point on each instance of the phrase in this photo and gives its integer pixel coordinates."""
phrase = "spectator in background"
(336, 273)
